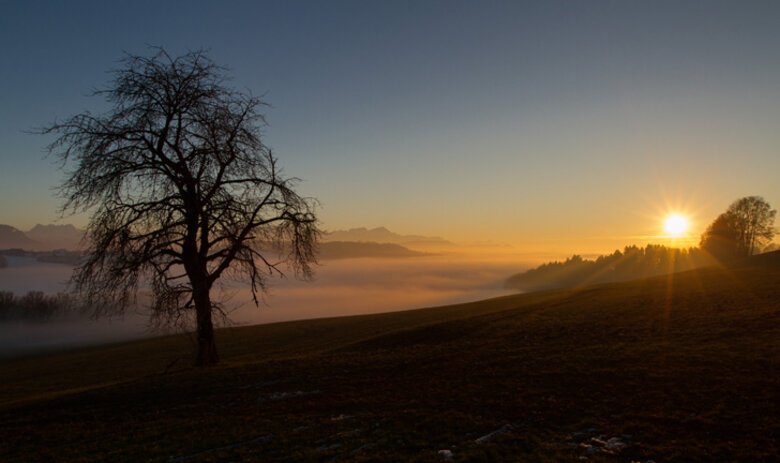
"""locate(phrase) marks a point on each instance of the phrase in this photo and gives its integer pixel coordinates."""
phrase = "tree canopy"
(182, 192)
(743, 230)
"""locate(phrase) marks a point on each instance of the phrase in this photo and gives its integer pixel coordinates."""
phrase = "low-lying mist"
(340, 287)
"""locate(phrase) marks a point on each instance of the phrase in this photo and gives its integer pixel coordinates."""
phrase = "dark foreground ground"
(679, 368)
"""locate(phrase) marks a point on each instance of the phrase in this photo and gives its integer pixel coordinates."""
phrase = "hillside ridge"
(649, 365)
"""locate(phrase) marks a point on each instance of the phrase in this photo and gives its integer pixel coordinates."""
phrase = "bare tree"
(754, 219)
(741, 231)
(182, 192)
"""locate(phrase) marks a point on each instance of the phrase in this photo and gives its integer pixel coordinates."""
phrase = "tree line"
(38, 306)
(744, 229)
(630, 263)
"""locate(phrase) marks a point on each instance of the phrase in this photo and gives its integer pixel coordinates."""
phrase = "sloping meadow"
(673, 368)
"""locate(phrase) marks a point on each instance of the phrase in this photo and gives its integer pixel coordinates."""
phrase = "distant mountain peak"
(41, 237)
(348, 250)
(57, 236)
(382, 235)
(12, 237)
(54, 227)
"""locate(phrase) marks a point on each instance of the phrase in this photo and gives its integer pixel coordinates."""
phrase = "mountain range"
(41, 237)
(329, 250)
(340, 244)
(383, 235)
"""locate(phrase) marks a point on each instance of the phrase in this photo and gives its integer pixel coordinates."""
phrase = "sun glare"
(676, 225)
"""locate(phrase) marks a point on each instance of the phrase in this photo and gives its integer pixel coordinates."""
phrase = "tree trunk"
(207, 348)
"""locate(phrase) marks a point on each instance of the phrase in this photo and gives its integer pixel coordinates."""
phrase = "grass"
(674, 368)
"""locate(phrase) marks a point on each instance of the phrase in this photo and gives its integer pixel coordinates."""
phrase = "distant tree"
(754, 219)
(741, 231)
(182, 192)
(3, 262)
(721, 239)
(7, 301)
(37, 306)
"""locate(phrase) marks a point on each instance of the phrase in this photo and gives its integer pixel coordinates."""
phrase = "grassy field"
(673, 368)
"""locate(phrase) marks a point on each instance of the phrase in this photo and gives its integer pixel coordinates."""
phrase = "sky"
(574, 126)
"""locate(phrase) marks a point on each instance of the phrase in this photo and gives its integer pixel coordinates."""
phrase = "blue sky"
(535, 123)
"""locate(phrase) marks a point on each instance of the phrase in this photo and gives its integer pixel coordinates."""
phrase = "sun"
(676, 225)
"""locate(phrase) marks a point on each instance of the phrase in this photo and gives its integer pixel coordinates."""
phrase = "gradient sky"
(566, 125)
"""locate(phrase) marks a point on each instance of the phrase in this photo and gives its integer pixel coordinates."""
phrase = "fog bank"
(340, 287)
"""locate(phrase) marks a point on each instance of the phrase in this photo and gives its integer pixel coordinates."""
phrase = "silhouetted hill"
(348, 249)
(633, 262)
(767, 259)
(383, 235)
(11, 237)
(56, 236)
